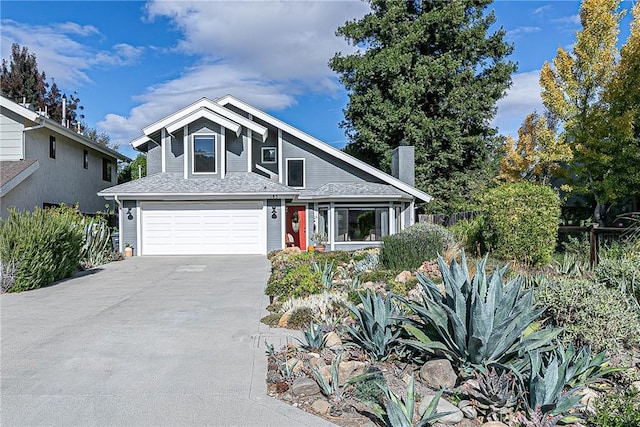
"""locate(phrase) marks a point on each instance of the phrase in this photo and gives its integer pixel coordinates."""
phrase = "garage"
(203, 228)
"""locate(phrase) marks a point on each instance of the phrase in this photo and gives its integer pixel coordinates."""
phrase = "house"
(43, 163)
(224, 177)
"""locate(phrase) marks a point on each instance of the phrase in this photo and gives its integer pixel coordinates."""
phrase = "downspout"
(120, 240)
(24, 149)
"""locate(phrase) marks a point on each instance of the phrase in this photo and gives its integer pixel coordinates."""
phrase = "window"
(398, 213)
(268, 155)
(106, 170)
(204, 154)
(295, 173)
(52, 147)
(85, 159)
(361, 224)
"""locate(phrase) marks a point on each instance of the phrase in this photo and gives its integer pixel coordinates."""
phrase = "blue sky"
(133, 62)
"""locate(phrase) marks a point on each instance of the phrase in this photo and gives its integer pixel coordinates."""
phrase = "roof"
(13, 173)
(229, 99)
(174, 186)
(354, 190)
(57, 127)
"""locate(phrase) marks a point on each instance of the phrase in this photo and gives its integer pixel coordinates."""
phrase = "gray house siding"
(204, 126)
(320, 167)
(174, 156)
(129, 232)
(154, 159)
(236, 151)
(274, 226)
(60, 180)
(10, 136)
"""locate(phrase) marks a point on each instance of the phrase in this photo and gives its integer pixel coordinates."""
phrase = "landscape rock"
(333, 340)
(403, 277)
(494, 424)
(320, 406)
(317, 362)
(305, 386)
(292, 250)
(636, 384)
(438, 373)
(589, 399)
(294, 364)
(454, 417)
(469, 411)
(346, 370)
(282, 323)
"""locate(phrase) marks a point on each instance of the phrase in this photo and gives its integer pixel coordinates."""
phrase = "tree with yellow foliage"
(588, 92)
(537, 155)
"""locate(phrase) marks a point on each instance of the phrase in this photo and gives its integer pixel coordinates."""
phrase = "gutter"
(40, 126)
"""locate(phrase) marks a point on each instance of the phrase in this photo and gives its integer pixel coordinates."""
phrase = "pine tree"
(428, 74)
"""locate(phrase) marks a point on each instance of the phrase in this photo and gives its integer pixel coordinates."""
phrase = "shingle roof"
(11, 169)
(354, 189)
(174, 183)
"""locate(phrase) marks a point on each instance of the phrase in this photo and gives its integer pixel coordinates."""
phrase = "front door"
(297, 225)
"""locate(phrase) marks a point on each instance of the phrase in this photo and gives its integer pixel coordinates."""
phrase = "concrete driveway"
(153, 341)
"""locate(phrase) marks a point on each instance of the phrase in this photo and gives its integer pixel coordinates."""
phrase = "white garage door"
(203, 228)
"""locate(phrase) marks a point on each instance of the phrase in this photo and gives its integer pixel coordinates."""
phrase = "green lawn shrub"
(297, 281)
(421, 242)
(40, 247)
(522, 222)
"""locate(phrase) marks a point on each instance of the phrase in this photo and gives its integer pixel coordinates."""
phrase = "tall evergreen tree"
(20, 78)
(428, 74)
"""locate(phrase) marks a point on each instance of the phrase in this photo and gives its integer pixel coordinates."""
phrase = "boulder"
(438, 374)
(282, 323)
(636, 384)
(320, 406)
(294, 364)
(589, 398)
(403, 277)
(454, 417)
(494, 424)
(305, 386)
(346, 370)
(333, 340)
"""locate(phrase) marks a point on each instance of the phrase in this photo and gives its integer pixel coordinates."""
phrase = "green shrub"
(470, 234)
(591, 313)
(617, 410)
(299, 280)
(379, 276)
(408, 249)
(300, 318)
(42, 247)
(522, 221)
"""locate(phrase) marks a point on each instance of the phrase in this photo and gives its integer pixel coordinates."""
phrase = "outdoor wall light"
(274, 215)
(129, 214)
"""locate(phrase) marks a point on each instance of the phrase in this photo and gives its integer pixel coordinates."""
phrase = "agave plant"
(554, 385)
(327, 273)
(314, 339)
(478, 321)
(496, 394)
(96, 243)
(375, 330)
(399, 412)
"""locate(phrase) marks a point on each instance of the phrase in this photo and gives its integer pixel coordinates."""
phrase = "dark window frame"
(107, 171)
(213, 153)
(85, 159)
(52, 147)
(302, 179)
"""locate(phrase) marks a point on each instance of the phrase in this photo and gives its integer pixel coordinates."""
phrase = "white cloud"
(60, 54)
(522, 30)
(542, 10)
(264, 52)
(522, 98)
(573, 20)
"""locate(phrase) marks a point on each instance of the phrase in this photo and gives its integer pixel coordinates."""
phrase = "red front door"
(297, 225)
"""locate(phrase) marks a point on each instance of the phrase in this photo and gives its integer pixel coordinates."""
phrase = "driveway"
(147, 341)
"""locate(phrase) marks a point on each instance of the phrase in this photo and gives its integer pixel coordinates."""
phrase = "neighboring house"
(43, 163)
(227, 178)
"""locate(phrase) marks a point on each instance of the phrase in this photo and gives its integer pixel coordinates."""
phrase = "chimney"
(403, 164)
(64, 111)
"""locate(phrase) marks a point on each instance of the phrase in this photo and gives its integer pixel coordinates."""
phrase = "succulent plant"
(326, 271)
(494, 393)
(375, 329)
(314, 339)
(478, 321)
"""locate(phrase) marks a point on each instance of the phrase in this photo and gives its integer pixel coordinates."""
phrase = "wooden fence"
(597, 235)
